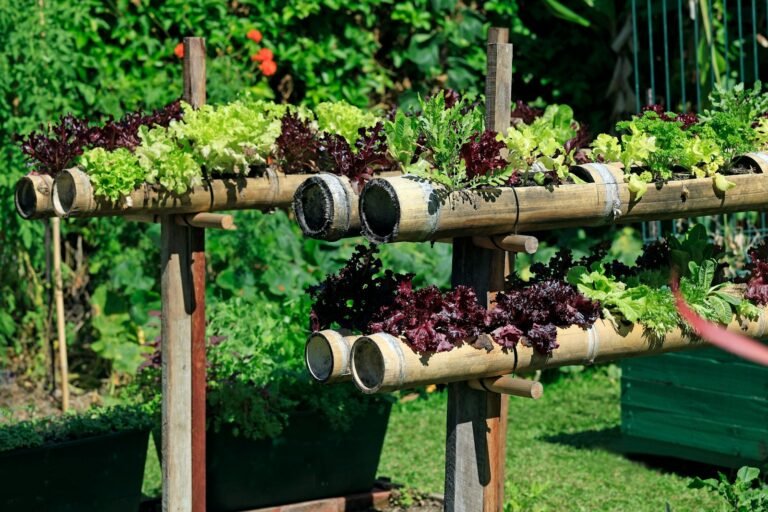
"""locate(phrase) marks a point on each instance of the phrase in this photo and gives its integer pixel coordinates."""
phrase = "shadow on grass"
(611, 440)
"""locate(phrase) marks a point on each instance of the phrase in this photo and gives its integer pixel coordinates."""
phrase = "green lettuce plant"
(343, 119)
(538, 148)
(113, 174)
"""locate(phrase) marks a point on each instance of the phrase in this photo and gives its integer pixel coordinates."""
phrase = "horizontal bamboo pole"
(382, 362)
(73, 196)
(195, 220)
(33, 196)
(326, 206)
(327, 355)
(509, 385)
(509, 243)
(411, 209)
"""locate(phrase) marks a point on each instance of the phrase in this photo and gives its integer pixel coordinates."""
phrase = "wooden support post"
(183, 344)
(58, 296)
(477, 420)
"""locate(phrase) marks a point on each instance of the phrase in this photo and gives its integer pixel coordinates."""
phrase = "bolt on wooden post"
(183, 335)
(477, 420)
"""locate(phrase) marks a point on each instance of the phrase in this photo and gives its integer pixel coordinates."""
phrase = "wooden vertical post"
(195, 95)
(58, 297)
(477, 420)
(183, 332)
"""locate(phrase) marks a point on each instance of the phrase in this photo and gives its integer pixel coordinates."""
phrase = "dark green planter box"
(703, 405)
(95, 474)
(308, 460)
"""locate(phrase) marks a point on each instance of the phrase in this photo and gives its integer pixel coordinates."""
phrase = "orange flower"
(268, 67)
(254, 35)
(263, 55)
(179, 50)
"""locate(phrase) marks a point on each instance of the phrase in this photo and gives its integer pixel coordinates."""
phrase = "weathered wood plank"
(177, 303)
(702, 434)
(695, 370)
(477, 420)
(194, 94)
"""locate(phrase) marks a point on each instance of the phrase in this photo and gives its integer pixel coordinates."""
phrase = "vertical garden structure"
(392, 209)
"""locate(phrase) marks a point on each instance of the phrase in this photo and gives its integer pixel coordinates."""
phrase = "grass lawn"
(554, 457)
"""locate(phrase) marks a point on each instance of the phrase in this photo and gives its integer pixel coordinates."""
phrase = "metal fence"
(681, 51)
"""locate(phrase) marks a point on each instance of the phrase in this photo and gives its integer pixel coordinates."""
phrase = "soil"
(23, 399)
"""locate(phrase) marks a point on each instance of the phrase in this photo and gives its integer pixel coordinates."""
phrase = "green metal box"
(703, 405)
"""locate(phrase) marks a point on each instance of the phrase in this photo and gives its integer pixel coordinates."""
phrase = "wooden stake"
(509, 385)
(509, 243)
(477, 423)
(196, 220)
(58, 295)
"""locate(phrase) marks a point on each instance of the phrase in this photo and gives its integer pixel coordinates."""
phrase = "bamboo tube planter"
(327, 355)
(326, 206)
(33, 196)
(73, 196)
(411, 209)
(382, 362)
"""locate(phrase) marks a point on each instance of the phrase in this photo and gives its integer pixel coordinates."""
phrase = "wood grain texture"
(177, 295)
(194, 94)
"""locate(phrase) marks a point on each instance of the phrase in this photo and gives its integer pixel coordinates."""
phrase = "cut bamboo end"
(326, 207)
(327, 355)
(72, 193)
(370, 355)
(757, 161)
(33, 196)
(381, 362)
(380, 210)
(510, 243)
(509, 385)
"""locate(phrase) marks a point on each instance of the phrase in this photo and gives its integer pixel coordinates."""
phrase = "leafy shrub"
(256, 375)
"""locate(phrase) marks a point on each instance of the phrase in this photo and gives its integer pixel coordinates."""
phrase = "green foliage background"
(103, 57)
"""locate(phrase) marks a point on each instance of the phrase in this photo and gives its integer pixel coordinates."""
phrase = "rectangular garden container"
(705, 405)
(309, 460)
(95, 474)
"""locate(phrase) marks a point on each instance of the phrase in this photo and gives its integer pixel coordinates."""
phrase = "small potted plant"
(273, 435)
(88, 461)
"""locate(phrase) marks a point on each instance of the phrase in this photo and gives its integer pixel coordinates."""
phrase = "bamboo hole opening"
(26, 198)
(313, 205)
(380, 211)
(319, 357)
(367, 365)
(64, 193)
